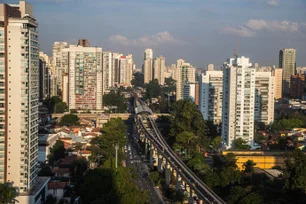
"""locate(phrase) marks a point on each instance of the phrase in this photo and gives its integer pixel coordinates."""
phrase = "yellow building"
(263, 159)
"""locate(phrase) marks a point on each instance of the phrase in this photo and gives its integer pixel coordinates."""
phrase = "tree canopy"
(138, 80)
(69, 119)
(187, 118)
(241, 144)
(115, 98)
(56, 152)
(8, 193)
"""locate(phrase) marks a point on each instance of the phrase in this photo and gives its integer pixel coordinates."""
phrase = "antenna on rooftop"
(236, 50)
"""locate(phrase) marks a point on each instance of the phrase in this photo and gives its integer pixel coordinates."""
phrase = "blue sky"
(199, 31)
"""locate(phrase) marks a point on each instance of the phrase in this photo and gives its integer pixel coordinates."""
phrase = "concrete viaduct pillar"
(167, 174)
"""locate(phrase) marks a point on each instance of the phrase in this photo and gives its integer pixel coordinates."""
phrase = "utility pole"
(116, 147)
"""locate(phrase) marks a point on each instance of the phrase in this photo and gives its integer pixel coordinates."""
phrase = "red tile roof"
(57, 185)
(61, 170)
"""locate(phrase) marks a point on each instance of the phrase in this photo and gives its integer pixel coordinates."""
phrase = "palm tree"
(8, 193)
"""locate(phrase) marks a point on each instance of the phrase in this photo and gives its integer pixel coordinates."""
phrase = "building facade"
(44, 79)
(19, 95)
(83, 43)
(238, 101)
(185, 73)
(85, 78)
(278, 83)
(159, 69)
(58, 63)
(211, 95)
(148, 65)
(287, 61)
(108, 79)
(297, 86)
(264, 97)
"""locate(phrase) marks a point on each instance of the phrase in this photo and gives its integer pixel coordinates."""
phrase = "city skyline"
(202, 33)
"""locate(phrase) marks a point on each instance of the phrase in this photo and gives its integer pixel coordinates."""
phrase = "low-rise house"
(57, 189)
(61, 173)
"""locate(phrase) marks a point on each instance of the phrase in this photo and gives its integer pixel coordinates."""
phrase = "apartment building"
(85, 77)
(278, 83)
(19, 94)
(184, 73)
(159, 69)
(264, 97)
(297, 86)
(148, 65)
(238, 101)
(59, 64)
(108, 79)
(287, 61)
(211, 95)
(191, 92)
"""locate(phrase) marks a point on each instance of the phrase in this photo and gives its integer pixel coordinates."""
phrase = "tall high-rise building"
(287, 61)
(297, 86)
(264, 97)
(148, 65)
(159, 69)
(211, 95)
(65, 89)
(278, 83)
(44, 79)
(19, 94)
(191, 92)
(238, 101)
(85, 77)
(185, 73)
(107, 70)
(83, 43)
(58, 63)
(210, 67)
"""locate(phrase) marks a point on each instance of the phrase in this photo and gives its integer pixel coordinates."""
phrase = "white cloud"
(253, 26)
(240, 31)
(159, 38)
(272, 2)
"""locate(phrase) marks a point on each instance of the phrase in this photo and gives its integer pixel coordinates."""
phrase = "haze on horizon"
(201, 32)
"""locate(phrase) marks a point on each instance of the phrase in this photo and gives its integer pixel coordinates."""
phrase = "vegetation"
(115, 98)
(153, 89)
(188, 125)
(50, 199)
(79, 167)
(69, 119)
(287, 124)
(138, 80)
(56, 152)
(45, 171)
(55, 104)
(8, 193)
(240, 144)
(170, 85)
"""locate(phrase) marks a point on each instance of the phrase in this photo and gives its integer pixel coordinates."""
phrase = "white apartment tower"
(211, 95)
(107, 70)
(159, 69)
(238, 101)
(147, 65)
(58, 63)
(19, 93)
(185, 73)
(85, 77)
(264, 97)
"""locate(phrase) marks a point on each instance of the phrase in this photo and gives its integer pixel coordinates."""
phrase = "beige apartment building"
(148, 65)
(278, 83)
(287, 61)
(19, 93)
(159, 69)
(185, 72)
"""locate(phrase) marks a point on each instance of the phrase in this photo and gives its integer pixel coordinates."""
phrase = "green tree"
(185, 139)
(60, 107)
(198, 164)
(8, 193)
(155, 178)
(241, 144)
(45, 171)
(69, 119)
(138, 80)
(295, 171)
(113, 132)
(153, 89)
(186, 117)
(56, 152)
(170, 85)
(248, 167)
(79, 167)
(114, 98)
(216, 142)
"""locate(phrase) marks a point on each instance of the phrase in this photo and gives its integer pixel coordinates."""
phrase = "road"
(134, 160)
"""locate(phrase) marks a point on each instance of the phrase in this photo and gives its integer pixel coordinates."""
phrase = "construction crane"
(236, 50)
